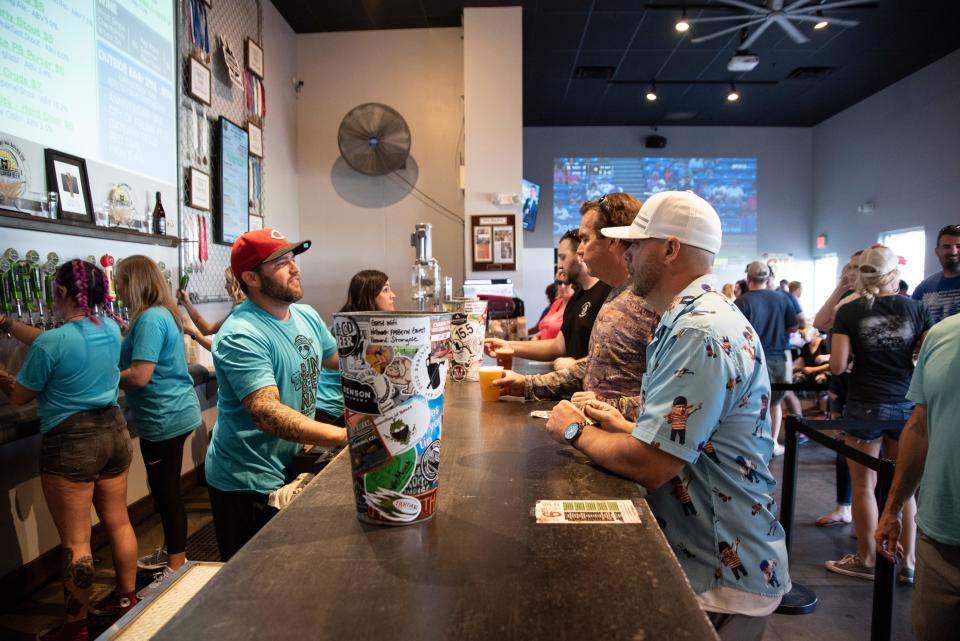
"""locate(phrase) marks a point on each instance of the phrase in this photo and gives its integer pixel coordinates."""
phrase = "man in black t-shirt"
(578, 316)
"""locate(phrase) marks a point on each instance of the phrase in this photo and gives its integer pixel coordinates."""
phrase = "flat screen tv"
(530, 197)
(232, 214)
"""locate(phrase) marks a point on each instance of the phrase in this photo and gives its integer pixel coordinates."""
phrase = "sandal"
(832, 518)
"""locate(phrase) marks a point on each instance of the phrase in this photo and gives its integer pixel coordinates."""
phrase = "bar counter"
(480, 569)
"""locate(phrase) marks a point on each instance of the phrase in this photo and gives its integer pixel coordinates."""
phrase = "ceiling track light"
(823, 23)
(733, 96)
(682, 24)
(652, 92)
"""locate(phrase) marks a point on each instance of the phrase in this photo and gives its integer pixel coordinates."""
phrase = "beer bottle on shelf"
(159, 218)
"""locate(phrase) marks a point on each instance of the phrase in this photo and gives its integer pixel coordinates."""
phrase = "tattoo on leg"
(77, 579)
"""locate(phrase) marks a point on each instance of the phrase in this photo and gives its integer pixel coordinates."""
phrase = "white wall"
(784, 176)
(898, 149)
(282, 199)
(493, 139)
(362, 222)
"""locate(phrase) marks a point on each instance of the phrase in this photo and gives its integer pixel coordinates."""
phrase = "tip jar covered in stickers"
(393, 367)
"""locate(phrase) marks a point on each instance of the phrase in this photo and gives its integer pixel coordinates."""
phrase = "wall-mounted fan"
(374, 139)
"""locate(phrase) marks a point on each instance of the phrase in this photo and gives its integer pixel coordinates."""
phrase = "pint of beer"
(505, 357)
(488, 374)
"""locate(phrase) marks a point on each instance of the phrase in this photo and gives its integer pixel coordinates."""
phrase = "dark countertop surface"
(480, 569)
(18, 422)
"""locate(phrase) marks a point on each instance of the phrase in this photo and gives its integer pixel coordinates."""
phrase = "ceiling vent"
(810, 73)
(594, 73)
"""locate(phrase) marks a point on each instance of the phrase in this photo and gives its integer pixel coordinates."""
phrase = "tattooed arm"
(17, 393)
(273, 417)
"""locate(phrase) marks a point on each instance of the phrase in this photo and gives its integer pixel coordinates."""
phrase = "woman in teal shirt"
(160, 394)
(85, 451)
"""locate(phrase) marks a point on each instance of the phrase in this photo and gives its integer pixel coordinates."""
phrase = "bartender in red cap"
(268, 356)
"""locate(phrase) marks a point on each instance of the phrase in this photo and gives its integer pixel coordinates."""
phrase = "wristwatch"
(573, 432)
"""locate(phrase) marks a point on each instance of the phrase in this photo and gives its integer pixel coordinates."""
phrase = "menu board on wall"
(233, 214)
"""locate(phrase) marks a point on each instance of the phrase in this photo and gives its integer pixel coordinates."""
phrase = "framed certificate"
(254, 58)
(198, 81)
(67, 175)
(199, 189)
(256, 140)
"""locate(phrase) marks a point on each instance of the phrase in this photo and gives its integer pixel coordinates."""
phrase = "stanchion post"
(881, 622)
(800, 599)
(788, 495)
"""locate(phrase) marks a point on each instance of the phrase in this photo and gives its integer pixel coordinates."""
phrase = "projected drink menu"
(234, 149)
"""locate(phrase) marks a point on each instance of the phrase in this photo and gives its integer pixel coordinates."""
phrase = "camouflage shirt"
(617, 357)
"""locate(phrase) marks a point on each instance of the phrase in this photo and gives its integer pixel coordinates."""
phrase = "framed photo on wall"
(254, 58)
(256, 140)
(199, 189)
(67, 175)
(494, 242)
(198, 81)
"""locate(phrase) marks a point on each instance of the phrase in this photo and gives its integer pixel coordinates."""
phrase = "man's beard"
(283, 293)
(645, 280)
(951, 263)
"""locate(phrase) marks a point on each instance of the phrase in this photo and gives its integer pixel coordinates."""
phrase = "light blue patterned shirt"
(706, 396)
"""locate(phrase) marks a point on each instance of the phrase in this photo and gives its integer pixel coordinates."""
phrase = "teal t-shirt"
(253, 350)
(934, 384)
(330, 393)
(74, 369)
(167, 406)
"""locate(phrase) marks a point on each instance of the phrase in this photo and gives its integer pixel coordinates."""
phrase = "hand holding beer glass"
(489, 374)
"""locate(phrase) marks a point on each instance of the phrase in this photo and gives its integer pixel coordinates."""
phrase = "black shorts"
(87, 445)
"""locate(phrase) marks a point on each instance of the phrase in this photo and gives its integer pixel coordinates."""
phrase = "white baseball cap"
(681, 214)
(878, 260)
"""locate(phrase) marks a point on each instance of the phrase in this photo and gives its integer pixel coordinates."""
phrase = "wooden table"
(480, 569)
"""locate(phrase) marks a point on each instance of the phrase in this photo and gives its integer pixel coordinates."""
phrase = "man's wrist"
(6, 323)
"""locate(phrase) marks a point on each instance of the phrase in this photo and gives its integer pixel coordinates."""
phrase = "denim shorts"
(877, 412)
(87, 445)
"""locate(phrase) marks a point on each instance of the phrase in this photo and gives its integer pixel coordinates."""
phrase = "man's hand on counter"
(609, 417)
(512, 384)
(564, 413)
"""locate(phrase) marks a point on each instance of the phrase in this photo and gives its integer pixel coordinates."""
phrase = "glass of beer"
(488, 374)
(505, 357)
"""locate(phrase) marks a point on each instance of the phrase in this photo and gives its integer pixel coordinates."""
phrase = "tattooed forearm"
(273, 417)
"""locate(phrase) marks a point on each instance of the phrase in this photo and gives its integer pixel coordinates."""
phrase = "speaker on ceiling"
(655, 142)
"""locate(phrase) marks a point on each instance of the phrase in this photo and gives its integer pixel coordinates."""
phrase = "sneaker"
(778, 450)
(851, 565)
(906, 576)
(159, 579)
(114, 605)
(156, 560)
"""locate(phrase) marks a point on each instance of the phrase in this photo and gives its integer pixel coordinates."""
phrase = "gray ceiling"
(636, 42)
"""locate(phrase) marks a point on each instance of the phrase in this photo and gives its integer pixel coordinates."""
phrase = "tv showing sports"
(729, 184)
(530, 197)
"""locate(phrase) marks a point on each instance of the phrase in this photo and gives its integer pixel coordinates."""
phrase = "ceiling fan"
(776, 13)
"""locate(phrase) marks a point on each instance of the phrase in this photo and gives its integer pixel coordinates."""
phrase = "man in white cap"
(770, 313)
(703, 430)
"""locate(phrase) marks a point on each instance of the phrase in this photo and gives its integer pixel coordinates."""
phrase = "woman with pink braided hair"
(72, 372)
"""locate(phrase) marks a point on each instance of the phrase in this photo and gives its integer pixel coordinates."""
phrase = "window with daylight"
(911, 246)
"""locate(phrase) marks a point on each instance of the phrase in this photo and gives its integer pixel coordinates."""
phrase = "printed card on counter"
(586, 512)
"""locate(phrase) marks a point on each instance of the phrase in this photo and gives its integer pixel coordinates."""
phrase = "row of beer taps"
(27, 288)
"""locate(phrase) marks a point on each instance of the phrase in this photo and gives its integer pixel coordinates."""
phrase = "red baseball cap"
(257, 247)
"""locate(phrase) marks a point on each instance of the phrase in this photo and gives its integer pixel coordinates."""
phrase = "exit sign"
(822, 241)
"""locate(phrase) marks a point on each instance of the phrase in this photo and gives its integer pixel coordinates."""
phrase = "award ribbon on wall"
(199, 29)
